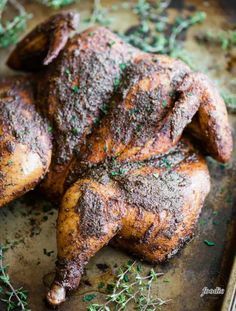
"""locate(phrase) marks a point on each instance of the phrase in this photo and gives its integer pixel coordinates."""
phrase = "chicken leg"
(150, 203)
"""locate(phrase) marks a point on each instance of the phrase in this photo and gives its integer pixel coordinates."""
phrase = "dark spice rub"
(76, 89)
(25, 144)
(148, 207)
(19, 117)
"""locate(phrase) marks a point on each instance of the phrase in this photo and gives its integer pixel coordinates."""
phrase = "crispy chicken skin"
(149, 209)
(25, 145)
(75, 90)
(120, 160)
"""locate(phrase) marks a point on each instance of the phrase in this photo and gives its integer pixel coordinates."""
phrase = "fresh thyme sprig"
(225, 38)
(154, 32)
(131, 288)
(230, 100)
(11, 29)
(99, 15)
(182, 24)
(14, 299)
(56, 4)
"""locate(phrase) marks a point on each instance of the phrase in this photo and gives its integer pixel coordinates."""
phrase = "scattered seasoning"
(122, 66)
(102, 266)
(156, 175)
(75, 131)
(68, 73)
(229, 199)
(110, 288)
(138, 128)
(50, 129)
(116, 83)
(209, 243)
(75, 88)
(47, 253)
(121, 171)
(88, 298)
(73, 118)
(104, 109)
(101, 285)
(134, 110)
(166, 162)
(126, 278)
(172, 94)
(216, 222)
(164, 103)
(45, 218)
(202, 221)
(110, 44)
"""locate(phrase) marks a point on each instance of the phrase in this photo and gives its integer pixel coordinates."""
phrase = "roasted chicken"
(117, 131)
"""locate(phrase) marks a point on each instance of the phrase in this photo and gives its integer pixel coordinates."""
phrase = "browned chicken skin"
(25, 144)
(148, 207)
(118, 154)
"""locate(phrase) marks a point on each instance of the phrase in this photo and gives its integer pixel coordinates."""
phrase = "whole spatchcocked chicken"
(112, 133)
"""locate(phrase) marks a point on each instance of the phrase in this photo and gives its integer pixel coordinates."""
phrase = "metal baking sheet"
(28, 225)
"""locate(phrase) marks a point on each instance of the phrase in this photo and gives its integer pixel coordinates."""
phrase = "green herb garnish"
(156, 175)
(101, 285)
(164, 103)
(56, 4)
(50, 129)
(122, 66)
(89, 297)
(117, 82)
(75, 131)
(131, 289)
(47, 253)
(226, 39)
(14, 299)
(119, 172)
(209, 243)
(110, 44)
(10, 30)
(75, 88)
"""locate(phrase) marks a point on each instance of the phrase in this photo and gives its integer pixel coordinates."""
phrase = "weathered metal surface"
(29, 223)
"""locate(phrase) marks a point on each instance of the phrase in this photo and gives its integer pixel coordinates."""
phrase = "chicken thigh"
(149, 208)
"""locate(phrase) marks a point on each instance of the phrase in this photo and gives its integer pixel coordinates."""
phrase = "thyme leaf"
(131, 288)
(15, 299)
